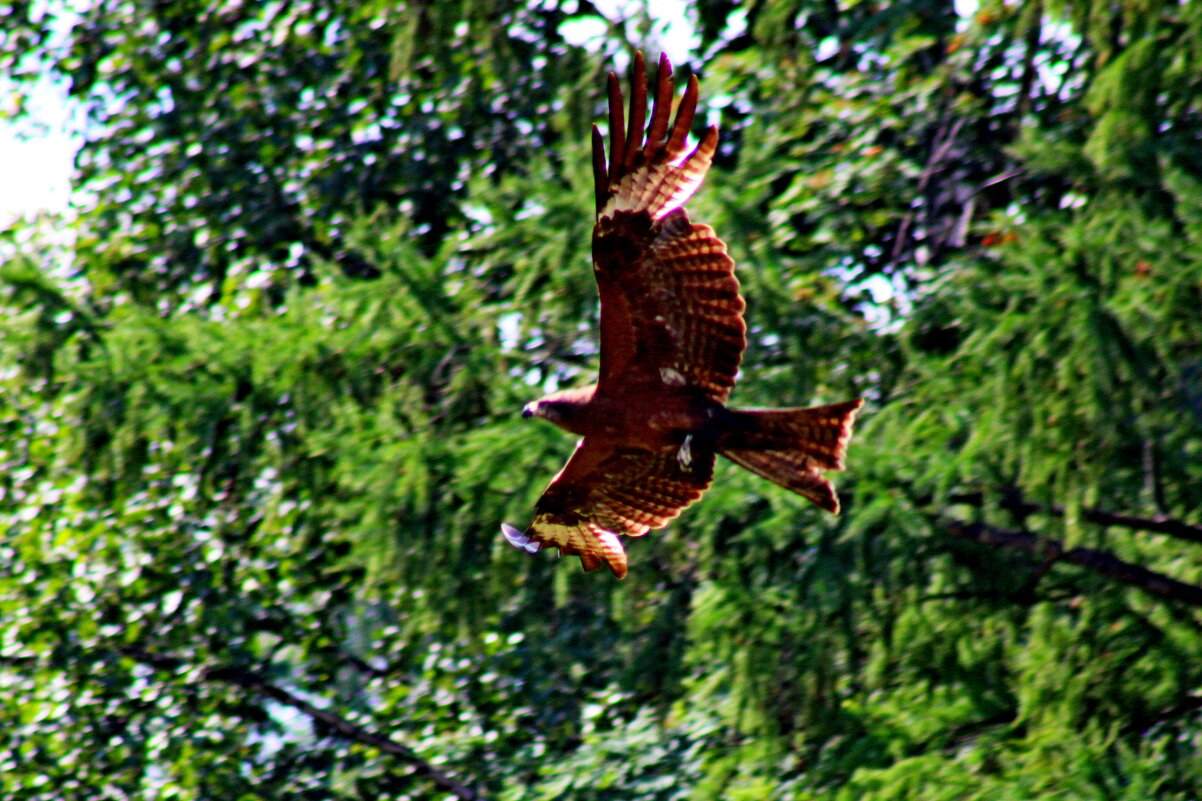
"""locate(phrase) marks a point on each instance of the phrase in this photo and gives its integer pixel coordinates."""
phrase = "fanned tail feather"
(791, 447)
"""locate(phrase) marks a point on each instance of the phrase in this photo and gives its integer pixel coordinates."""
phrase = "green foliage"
(259, 412)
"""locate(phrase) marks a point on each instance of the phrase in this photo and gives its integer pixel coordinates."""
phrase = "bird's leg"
(685, 454)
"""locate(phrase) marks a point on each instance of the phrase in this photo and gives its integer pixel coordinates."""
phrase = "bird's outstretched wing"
(671, 322)
(671, 313)
(603, 492)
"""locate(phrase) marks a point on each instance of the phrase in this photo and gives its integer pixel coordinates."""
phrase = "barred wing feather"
(670, 305)
(602, 493)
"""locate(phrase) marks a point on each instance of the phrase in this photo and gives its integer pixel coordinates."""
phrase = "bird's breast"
(650, 419)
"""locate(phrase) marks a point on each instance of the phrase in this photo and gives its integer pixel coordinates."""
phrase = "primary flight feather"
(672, 336)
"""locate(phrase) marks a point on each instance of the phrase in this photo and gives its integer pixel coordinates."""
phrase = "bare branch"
(255, 682)
(1100, 562)
(1177, 529)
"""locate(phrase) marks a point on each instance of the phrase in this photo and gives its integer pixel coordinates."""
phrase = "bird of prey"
(672, 336)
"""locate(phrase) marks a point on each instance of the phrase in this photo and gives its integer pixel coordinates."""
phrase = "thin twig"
(940, 147)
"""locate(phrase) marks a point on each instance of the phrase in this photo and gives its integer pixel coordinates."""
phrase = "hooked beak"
(528, 410)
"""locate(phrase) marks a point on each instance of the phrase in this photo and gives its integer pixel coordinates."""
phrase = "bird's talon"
(685, 454)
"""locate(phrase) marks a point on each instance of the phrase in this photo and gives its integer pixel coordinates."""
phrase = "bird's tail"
(791, 447)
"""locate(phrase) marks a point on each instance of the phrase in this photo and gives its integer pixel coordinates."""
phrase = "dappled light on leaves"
(261, 393)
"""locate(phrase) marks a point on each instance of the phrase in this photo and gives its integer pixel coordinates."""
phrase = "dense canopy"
(260, 395)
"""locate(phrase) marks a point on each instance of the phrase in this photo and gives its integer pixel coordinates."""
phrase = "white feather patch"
(685, 454)
(671, 378)
(520, 539)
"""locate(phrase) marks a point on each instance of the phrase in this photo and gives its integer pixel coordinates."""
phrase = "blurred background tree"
(259, 390)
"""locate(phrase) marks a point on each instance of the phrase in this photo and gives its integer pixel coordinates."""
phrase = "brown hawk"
(672, 336)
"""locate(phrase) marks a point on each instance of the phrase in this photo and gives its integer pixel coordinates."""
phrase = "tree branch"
(255, 682)
(1178, 529)
(1100, 562)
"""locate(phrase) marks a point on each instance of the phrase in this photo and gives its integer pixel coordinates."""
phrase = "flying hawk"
(672, 336)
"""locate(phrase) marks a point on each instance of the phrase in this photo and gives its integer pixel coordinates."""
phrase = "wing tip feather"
(617, 128)
(651, 168)
(521, 540)
(608, 551)
(600, 172)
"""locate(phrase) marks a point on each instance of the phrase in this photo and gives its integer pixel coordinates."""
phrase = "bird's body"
(647, 417)
(672, 337)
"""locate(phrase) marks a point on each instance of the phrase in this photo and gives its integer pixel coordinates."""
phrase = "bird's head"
(567, 408)
(546, 408)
